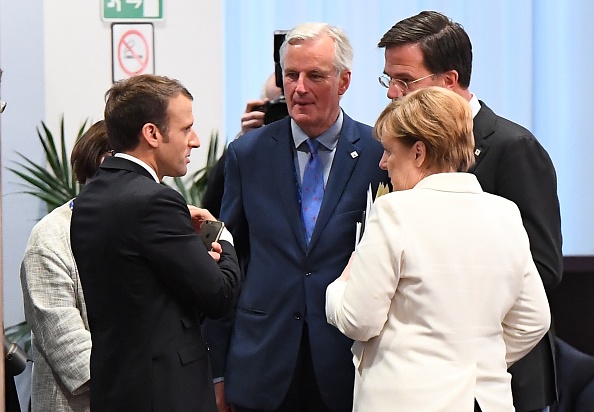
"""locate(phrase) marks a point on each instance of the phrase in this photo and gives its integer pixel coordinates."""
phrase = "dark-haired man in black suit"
(429, 49)
(147, 278)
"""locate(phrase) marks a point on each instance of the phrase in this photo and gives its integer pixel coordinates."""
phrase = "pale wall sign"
(128, 10)
(132, 50)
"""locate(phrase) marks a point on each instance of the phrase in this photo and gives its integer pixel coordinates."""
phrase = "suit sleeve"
(218, 332)
(51, 307)
(232, 212)
(189, 272)
(527, 177)
(213, 194)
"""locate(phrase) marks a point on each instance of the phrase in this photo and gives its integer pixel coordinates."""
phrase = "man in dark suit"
(146, 275)
(280, 353)
(430, 49)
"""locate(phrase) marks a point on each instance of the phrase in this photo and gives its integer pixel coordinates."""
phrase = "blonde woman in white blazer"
(441, 295)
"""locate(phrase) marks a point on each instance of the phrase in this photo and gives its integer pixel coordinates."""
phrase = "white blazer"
(443, 297)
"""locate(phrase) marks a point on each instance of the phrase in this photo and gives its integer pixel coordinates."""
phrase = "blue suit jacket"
(576, 379)
(285, 283)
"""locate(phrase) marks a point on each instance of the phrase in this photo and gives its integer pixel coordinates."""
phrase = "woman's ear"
(420, 153)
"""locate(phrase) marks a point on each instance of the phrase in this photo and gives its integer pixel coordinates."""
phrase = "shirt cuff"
(227, 236)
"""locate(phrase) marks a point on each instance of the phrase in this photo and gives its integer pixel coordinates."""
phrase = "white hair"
(343, 51)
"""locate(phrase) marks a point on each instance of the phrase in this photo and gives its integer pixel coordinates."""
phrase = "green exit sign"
(126, 10)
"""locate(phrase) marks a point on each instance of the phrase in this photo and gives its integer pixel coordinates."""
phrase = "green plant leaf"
(20, 334)
(55, 182)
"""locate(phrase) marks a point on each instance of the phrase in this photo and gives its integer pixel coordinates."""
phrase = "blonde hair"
(439, 118)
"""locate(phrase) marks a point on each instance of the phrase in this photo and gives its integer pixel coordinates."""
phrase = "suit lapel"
(345, 159)
(287, 186)
(483, 128)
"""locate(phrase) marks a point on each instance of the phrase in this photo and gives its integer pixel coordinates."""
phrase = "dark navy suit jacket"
(285, 280)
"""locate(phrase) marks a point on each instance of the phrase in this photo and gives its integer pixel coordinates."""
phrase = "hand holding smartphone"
(210, 232)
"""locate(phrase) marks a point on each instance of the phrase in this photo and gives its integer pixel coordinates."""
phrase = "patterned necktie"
(312, 189)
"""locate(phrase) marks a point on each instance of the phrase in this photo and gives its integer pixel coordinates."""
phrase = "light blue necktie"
(312, 188)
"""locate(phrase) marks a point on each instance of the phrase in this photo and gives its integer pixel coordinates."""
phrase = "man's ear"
(150, 133)
(420, 153)
(450, 79)
(344, 80)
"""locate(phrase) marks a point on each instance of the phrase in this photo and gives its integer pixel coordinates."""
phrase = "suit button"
(308, 273)
(297, 315)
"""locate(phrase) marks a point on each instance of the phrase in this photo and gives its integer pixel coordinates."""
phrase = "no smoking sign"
(133, 50)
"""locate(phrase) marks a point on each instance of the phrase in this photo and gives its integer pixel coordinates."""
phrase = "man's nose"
(301, 83)
(195, 140)
(394, 92)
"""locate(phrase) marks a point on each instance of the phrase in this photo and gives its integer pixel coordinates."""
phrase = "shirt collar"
(475, 105)
(139, 162)
(328, 139)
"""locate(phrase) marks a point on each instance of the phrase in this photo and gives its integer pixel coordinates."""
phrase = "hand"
(199, 216)
(216, 251)
(222, 405)
(346, 273)
(252, 118)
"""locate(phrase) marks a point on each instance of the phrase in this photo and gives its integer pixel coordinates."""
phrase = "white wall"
(56, 57)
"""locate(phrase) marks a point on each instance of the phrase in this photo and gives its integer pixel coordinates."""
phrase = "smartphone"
(210, 232)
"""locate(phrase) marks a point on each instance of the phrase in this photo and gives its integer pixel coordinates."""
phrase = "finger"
(201, 214)
(253, 104)
(216, 256)
(216, 247)
(252, 116)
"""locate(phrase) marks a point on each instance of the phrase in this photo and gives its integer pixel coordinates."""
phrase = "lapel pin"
(354, 155)
(477, 152)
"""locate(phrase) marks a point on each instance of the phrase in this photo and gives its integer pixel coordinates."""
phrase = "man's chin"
(301, 109)
(179, 173)
(301, 117)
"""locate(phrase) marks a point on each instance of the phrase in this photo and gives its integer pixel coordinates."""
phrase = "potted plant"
(55, 184)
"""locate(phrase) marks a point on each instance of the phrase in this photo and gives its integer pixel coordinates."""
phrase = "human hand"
(346, 273)
(222, 405)
(216, 251)
(199, 216)
(252, 118)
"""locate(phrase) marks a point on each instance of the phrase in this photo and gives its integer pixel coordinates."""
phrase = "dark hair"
(134, 102)
(88, 152)
(444, 44)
